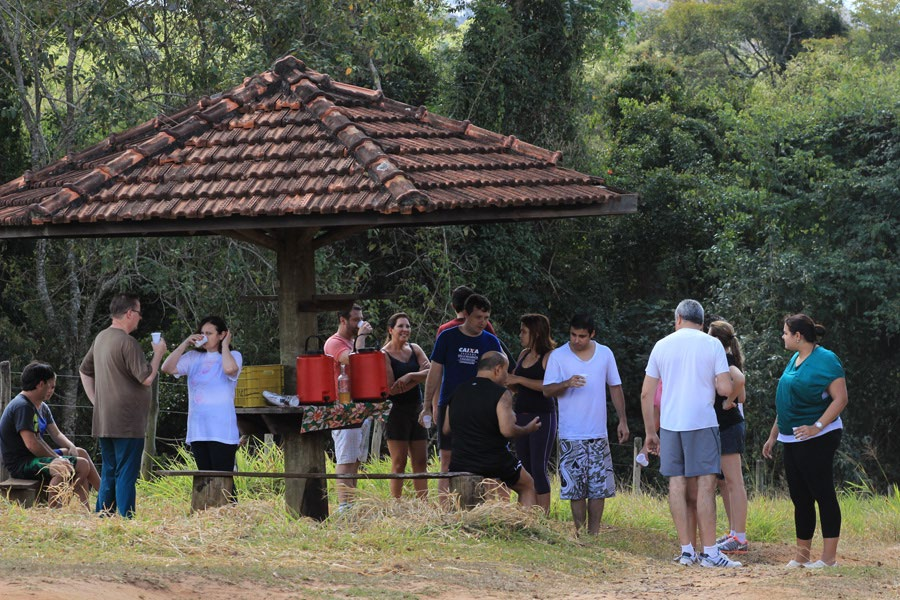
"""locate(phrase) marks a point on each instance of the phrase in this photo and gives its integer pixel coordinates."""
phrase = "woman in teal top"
(811, 394)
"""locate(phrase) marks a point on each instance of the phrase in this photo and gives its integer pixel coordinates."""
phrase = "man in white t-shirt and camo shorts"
(693, 368)
(577, 376)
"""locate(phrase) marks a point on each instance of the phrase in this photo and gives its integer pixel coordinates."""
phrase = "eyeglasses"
(137, 311)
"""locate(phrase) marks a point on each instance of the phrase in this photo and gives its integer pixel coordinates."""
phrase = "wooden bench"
(26, 492)
(216, 488)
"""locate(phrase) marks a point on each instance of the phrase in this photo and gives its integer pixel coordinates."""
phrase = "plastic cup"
(199, 343)
(156, 336)
(427, 421)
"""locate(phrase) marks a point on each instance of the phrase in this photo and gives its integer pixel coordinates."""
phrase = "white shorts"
(351, 445)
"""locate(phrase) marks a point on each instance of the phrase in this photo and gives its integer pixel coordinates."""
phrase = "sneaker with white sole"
(793, 564)
(733, 546)
(687, 559)
(819, 564)
(718, 561)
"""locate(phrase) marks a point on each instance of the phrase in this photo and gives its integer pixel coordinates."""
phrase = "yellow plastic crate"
(253, 380)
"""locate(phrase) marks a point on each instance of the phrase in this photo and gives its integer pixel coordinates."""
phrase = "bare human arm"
(229, 365)
(738, 382)
(61, 440)
(87, 382)
(506, 418)
(432, 390)
(170, 365)
(648, 391)
(770, 442)
(723, 384)
(554, 390)
(36, 445)
(159, 349)
(618, 400)
(410, 380)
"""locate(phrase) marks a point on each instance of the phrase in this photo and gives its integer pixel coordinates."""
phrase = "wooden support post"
(211, 492)
(377, 437)
(296, 286)
(635, 467)
(759, 483)
(150, 435)
(5, 397)
(469, 490)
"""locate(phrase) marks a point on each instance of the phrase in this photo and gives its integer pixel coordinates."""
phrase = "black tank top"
(727, 418)
(474, 425)
(401, 368)
(527, 400)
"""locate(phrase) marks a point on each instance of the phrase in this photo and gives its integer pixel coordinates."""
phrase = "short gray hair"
(690, 310)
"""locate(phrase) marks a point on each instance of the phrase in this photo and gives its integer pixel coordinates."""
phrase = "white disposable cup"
(199, 343)
(427, 421)
(156, 336)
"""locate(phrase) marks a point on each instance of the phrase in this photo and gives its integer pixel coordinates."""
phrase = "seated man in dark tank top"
(481, 415)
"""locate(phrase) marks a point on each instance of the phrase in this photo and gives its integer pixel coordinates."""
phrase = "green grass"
(380, 542)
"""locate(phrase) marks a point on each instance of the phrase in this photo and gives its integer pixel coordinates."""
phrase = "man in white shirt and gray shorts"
(693, 368)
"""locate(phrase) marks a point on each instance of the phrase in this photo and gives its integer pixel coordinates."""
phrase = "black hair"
(34, 373)
(805, 326)
(217, 322)
(459, 296)
(345, 314)
(583, 321)
(477, 301)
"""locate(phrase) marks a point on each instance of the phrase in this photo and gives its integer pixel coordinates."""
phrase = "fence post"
(150, 434)
(760, 478)
(635, 467)
(5, 393)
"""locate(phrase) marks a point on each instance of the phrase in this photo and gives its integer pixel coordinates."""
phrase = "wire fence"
(624, 467)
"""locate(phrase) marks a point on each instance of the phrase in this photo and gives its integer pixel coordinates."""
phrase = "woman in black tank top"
(405, 437)
(527, 381)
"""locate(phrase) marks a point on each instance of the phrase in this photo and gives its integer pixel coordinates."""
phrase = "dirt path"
(626, 576)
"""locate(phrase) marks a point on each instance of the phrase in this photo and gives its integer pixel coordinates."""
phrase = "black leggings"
(809, 467)
(214, 456)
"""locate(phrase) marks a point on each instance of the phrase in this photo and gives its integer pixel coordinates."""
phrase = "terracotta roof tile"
(291, 141)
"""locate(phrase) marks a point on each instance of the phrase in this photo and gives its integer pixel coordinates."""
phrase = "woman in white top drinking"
(212, 369)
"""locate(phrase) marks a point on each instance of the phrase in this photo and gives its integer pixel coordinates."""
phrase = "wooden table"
(303, 452)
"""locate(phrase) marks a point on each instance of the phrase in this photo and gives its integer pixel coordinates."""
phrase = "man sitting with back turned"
(481, 415)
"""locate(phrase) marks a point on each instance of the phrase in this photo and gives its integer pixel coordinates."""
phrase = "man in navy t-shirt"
(453, 361)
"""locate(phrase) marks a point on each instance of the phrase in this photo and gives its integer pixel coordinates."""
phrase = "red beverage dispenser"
(368, 375)
(315, 375)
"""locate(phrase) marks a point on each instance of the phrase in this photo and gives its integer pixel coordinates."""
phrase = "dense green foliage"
(763, 139)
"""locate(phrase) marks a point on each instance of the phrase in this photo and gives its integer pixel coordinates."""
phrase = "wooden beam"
(252, 236)
(338, 233)
(621, 205)
(329, 302)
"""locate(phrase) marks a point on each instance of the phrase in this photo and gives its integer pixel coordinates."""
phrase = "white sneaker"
(718, 561)
(793, 564)
(819, 564)
(687, 559)
(641, 459)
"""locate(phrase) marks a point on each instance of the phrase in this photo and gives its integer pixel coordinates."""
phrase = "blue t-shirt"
(801, 396)
(458, 353)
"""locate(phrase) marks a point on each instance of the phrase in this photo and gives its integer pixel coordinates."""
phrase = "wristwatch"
(819, 425)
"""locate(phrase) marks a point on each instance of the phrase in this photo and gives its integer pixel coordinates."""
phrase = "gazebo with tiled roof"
(292, 160)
